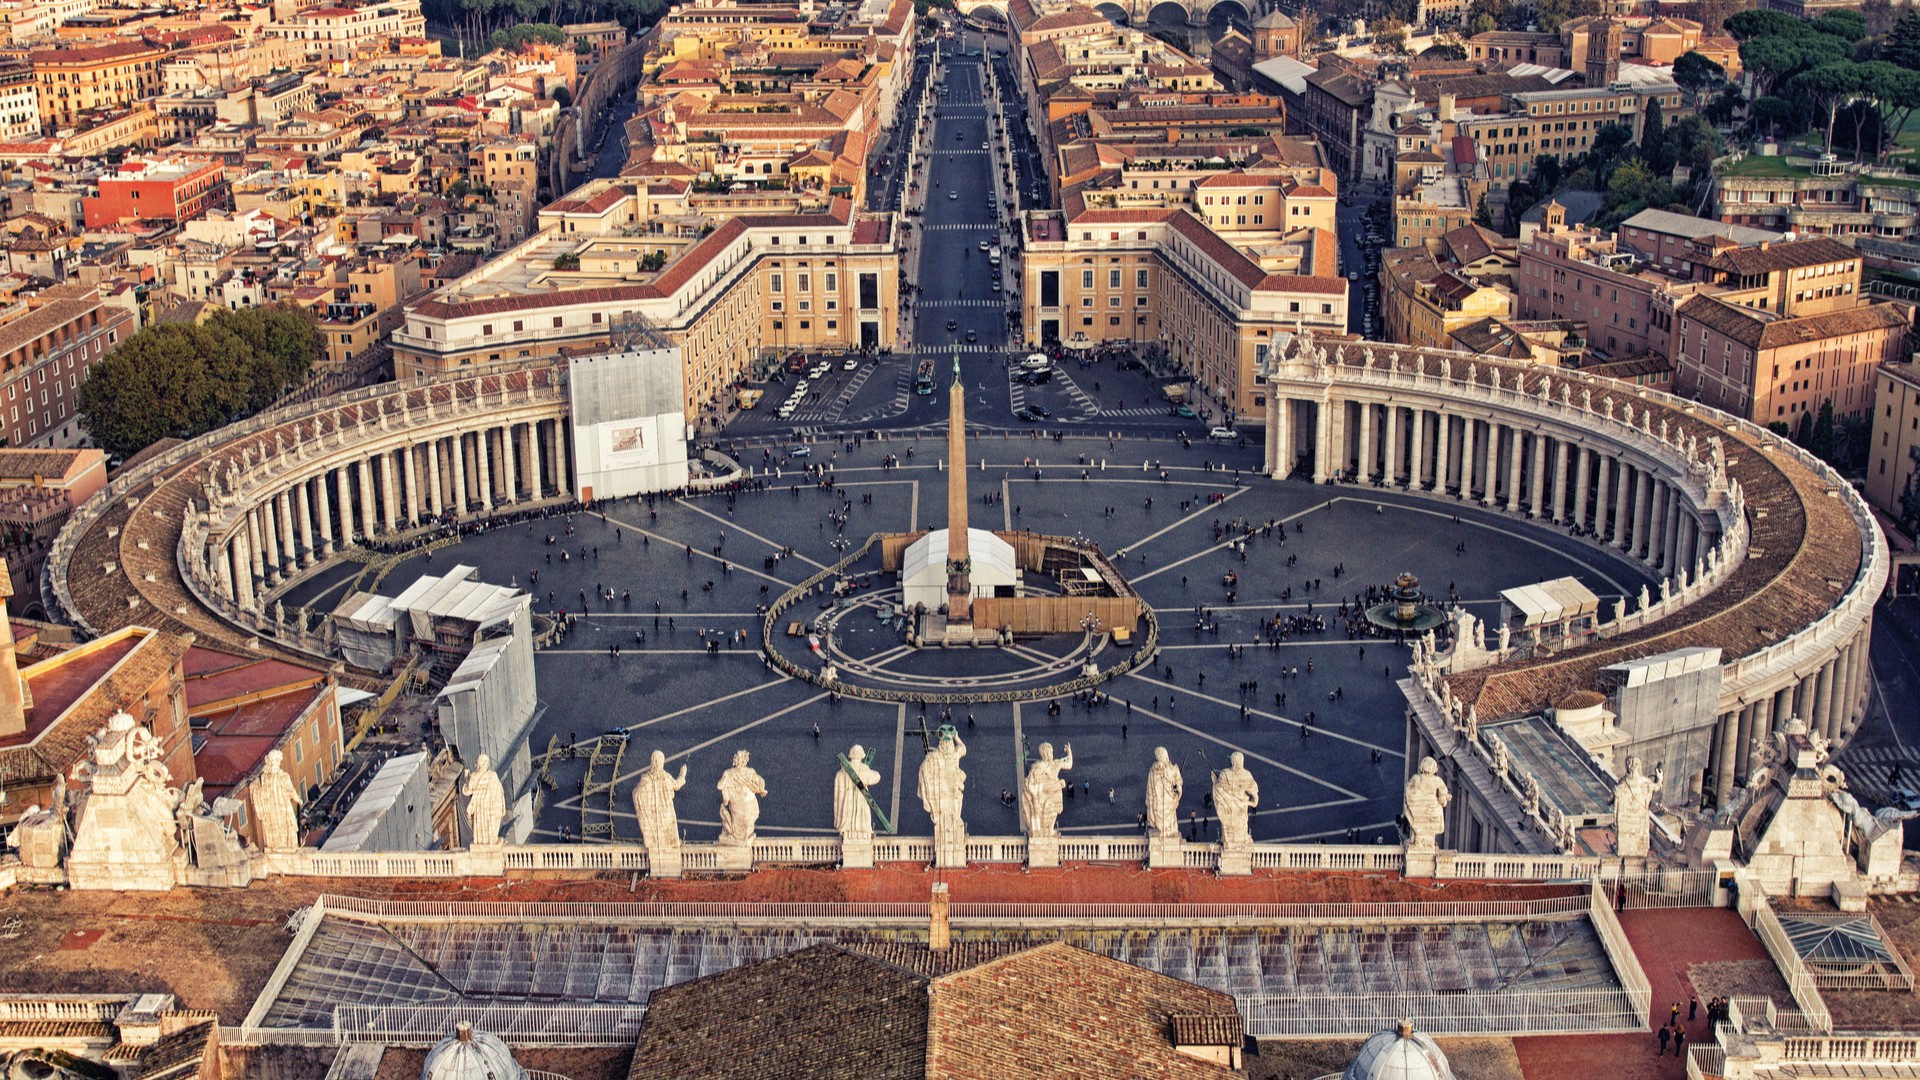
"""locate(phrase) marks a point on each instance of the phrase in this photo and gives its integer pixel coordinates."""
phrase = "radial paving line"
(750, 533)
(1262, 758)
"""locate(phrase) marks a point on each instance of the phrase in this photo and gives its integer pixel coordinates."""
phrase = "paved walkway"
(1666, 942)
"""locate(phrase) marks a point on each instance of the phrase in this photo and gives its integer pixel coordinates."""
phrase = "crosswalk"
(969, 226)
(932, 304)
(1870, 774)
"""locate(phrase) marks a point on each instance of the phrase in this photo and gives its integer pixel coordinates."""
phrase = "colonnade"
(1830, 695)
(1516, 467)
(410, 480)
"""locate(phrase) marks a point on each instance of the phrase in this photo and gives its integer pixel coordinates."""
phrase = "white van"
(1037, 361)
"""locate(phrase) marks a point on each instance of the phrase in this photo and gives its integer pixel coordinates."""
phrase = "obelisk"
(959, 561)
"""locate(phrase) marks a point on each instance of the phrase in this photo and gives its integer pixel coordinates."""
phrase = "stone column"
(270, 537)
(509, 468)
(1322, 441)
(1442, 451)
(389, 497)
(483, 456)
(1582, 484)
(550, 451)
(257, 535)
(1417, 470)
(368, 520)
(1847, 698)
(221, 561)
(1276, 437)
(1821, 723)
(1763, 724)
(1642, 542)
(1466, 457)
(343, 494)
(1392, 444)
(538, 460)
(289, 550)
(303, 514)
(1719, 753)
(1365, 472)
(246, 564)
(1739, 730)
(1622, 504)
(436, 501)
(1492, 477)
(410, 484)
(1737, 772)
(460, 495)
(323, 513)
(1561, 477)
(1515, 461)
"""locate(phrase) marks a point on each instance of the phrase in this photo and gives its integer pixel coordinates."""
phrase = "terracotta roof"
(1766, 258)
(75, 694)
(1759, 331)
(897, 1010)
(93, 54)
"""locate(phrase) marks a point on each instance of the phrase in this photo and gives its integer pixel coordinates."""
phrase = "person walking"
(1679, 1041)
(1666, 1034)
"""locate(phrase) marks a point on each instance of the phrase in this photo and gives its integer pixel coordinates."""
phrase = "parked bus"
(923, 380)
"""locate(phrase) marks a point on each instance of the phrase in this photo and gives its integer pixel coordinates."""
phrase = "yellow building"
(731, 297)
(1893, 465)
(75, 81)
(1163, 278)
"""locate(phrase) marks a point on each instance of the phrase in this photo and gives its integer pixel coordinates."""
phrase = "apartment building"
(1893, 459)
(19, 104)
(1164, 277)
(369, 306)
(1577, 272)
(341, 33)
(1561, 124)
(74, 81)
(755, 286)
(44, 357)
(1667, 240)
(1841, 204)
(1770, 368)
(175, 190)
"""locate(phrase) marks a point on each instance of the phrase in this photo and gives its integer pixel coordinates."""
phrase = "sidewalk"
(1666, 942)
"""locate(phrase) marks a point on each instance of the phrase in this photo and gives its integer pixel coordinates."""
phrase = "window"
(1113, 279)
(1086, 279)
(1140, 279)
(774, 285)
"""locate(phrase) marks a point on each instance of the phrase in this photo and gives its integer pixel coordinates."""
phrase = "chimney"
(939, 935)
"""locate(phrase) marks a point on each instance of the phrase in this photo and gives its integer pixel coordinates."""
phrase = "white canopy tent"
(1549, 603)
(923, 572)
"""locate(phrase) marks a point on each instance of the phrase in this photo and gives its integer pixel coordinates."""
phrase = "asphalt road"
(954, 274)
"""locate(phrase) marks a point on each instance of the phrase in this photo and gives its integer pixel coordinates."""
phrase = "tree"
(180, 380)
(1722, 109)
(514, 37)
(1246, 132)
(1445, 52)
(1825, 89)
(1761, 22)
(1697, 75)
(1902, 43)
(1849, 26)
(1482, 216)
(562, 96)
(566, 261)
(1390, 35)
(1653, 140)
(1821, 442)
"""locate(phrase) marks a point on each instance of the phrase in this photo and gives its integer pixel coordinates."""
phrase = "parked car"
(1223, 433)
(799, 450)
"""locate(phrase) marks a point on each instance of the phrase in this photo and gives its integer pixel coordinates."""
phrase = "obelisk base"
(1043, 852)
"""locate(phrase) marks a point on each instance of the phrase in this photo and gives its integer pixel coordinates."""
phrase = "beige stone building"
(749, 289)
(1769, 369)
(1894, 458)
(78, 80)
(1162, 277)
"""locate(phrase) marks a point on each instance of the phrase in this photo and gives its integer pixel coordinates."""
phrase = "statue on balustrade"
(1633, 811)
(653, 805)
(276, 806)
(486, 803)
(852, 814)
(1040, 800)
(942, 787)
(741, 789)
(1425, 808)
(1164, 787)
(1235, 794)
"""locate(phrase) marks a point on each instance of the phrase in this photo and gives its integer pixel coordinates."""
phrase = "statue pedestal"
(487, 860)
(663, 863)
(1422, 862)
(1043, 852)
(856, 854)
(1165, 851)
(1236, 860)
(733, 857)
(949, 852)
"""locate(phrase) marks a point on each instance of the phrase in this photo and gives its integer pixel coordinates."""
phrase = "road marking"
(1319, 729)
(743, 531)
(1351, 796)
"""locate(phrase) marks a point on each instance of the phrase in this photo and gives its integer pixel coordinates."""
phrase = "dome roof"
(1399, 1054)
(1582, 699)
(471, 1055)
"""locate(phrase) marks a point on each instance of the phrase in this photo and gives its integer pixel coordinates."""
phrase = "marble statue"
(852, 815)
(1646, 598)
(1530, 796)
(942, 787)
(1425, 807)
(486, 802)
(653, 806)
(1040, 801)
(1632, 811)
(1501, 763)
(1235, 794)
(1472, 723)
(741, 789)
(276, 806)
(1164, 787)
(1506, 638)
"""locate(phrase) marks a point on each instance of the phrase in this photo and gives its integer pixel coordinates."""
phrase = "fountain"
(1406, 609)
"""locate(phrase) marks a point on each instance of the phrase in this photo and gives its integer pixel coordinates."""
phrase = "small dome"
(1583, 699)
(1399, 1053)
(471, 1055)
